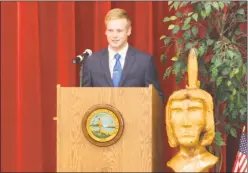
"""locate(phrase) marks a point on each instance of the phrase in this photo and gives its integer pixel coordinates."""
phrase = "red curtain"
(38, 42)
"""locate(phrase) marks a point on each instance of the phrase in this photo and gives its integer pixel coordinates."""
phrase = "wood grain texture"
(140, 148)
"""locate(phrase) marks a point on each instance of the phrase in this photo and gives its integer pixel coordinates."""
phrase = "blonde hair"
(117, 13)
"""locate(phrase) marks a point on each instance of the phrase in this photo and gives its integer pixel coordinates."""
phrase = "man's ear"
(129, 30)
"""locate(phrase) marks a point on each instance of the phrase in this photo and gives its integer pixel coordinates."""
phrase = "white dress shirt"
(112, 59)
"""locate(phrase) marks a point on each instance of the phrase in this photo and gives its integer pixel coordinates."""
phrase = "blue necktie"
(117, 70)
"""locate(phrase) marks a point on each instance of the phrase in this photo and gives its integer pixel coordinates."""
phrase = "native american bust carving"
(190, 124)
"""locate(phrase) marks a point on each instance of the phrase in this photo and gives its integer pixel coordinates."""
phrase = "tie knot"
(117, 56)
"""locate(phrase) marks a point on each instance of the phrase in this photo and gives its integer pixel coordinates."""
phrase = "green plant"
(216, 29)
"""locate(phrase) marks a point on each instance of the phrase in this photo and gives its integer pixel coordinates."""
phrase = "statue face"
(187, 120)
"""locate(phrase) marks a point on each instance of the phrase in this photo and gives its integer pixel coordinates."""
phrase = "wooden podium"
(141, 147)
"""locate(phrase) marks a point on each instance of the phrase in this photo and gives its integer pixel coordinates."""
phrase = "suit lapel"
(105, 65)
(129, 61)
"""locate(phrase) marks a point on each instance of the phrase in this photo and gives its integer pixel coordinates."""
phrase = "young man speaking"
(120, 64)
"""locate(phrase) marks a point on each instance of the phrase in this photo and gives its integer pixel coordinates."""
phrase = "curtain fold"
(8, 87)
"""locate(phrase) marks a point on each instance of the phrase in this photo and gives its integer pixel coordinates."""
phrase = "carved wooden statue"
(190, 124)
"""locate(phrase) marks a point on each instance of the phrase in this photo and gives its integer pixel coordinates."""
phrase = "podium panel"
(141, 145)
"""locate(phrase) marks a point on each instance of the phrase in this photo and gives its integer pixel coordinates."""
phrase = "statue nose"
(186, 121)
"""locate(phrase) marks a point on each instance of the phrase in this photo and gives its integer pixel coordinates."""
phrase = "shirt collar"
(123, 52)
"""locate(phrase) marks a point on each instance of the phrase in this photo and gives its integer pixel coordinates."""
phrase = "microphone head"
(88, 52)
(80, 58)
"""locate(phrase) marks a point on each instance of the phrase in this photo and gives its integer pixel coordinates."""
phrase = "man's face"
(117, 32)
(187, 119)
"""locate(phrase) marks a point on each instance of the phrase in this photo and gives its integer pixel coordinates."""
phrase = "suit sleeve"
(87, 73)
(152, 78)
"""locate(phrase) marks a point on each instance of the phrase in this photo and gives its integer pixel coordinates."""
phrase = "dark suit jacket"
(138, 71)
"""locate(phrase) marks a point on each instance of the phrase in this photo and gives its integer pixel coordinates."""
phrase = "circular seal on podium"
(102, 125)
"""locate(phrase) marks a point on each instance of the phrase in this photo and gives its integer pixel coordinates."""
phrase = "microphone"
(80, 58)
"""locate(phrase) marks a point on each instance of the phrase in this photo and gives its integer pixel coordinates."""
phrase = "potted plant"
(216, 29)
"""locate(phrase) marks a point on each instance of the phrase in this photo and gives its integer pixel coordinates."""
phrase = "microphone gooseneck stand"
(81, 73)
(80, 59)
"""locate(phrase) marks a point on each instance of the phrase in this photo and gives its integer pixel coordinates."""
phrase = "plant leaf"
(174, 58)
(171, 7)
(241, 11)
(194, 30)
(163, 58)
(186, 34)
(186, 27)
(162, 37)
(188, 46)
(209, 42)
(177, 67)
(166, 19)
(187, 20)
(236, 70)
(238, 32)
(176, 3)
(179, 14)
(229, 53)
(220, 143)
(219, 80)
(217, 62)
(229, 83)
(234, 91)
(214, 72)
(167, 72)
(179, 77)
(215, 5)
(221, 5)
(182, 4)
(231, 75)
(203, 14)
(225, 71)
(217, 135)
(173, 18)
(170, 2)
(195, 16)
(179, 41)
(201, 51)
(234, 39)
(175, 29)
(217, 45)
(167, 40)
(190, 13)
(171, 26)
(233, 132)
(243, 111)
(218, 139)
(208, 9)
(227, 127)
